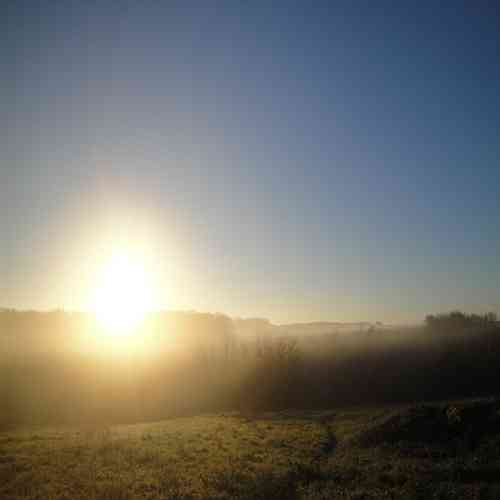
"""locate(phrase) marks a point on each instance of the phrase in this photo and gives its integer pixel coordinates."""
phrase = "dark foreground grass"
(439, 451)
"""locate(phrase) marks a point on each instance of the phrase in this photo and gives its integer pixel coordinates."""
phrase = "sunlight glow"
(124, 295)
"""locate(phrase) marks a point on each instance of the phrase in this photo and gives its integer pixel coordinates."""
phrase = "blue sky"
(298, 160)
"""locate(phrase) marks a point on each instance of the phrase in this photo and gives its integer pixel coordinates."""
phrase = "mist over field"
(59, 367)
(197, 405)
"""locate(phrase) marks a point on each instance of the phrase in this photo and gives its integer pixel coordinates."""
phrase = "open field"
(447, 450)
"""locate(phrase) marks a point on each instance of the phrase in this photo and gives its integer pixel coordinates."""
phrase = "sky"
(297, 161)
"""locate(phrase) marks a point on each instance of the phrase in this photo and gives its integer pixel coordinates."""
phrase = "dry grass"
(277, 455)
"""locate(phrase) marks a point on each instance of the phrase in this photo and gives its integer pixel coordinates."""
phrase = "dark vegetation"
(54, 368)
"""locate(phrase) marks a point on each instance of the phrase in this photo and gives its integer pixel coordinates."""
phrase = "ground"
(446, 450)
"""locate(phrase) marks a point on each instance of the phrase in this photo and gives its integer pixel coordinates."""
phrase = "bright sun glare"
(124, 295)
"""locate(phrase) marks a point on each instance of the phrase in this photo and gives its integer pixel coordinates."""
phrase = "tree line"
(185, 363)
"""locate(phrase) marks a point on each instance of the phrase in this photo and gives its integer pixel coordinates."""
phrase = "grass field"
(448, 450)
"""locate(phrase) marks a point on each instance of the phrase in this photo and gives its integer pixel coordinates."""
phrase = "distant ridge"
(320, 327)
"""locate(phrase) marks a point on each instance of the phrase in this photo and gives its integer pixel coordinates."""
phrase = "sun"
(124, 295)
